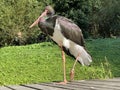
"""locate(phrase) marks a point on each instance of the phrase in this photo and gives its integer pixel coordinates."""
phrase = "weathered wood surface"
(110, 84)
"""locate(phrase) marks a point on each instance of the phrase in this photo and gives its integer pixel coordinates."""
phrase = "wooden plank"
(98, 86)
(4, 88)
(18, 87)
(89, 84)
(110, 84)
(67, 86)
(71, 86)
(102, 83)
(114, 80)
(106, 80)
(43, 87)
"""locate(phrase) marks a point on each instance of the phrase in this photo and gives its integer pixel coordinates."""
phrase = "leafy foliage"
(109, 18)
(96, 18)
(16, 16)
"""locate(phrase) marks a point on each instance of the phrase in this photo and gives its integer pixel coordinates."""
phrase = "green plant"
(43, 63)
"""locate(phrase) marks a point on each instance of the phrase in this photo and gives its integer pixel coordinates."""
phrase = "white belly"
(62, 41)
(59, 38)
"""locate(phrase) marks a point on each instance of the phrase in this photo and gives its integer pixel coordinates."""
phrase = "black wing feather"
(71, 31)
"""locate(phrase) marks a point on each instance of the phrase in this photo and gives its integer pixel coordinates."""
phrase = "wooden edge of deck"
(109, 84)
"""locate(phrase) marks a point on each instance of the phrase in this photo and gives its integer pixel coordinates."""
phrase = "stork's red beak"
(42, 15)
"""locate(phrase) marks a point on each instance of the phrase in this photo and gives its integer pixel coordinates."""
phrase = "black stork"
(66, 34)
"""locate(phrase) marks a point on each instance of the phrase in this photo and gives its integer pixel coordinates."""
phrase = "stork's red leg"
(72, 72)
(64, 69)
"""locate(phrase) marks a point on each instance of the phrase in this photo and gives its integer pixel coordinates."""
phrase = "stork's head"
(49, 11)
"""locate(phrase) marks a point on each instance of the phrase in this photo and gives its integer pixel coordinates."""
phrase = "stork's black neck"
(47, 24)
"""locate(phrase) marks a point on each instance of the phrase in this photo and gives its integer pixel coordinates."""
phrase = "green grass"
(42, 62)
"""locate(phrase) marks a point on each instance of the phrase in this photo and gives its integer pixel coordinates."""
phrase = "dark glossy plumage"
(66, 34)
(68, 28)
(71, 31)
(48, 25)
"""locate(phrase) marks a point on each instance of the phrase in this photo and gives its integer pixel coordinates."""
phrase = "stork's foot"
(63, 83)
(72, 72)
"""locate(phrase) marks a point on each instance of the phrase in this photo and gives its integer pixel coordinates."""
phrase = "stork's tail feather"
(84, 58)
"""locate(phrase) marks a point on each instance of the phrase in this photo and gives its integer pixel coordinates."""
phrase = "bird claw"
(63, 83)
(72, 75)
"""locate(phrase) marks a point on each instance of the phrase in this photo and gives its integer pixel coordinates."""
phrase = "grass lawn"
(42, 62)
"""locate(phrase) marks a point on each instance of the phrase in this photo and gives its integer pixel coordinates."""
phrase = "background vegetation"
(96, 18)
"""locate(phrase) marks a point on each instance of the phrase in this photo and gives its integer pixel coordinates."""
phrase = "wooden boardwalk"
(110, 84)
